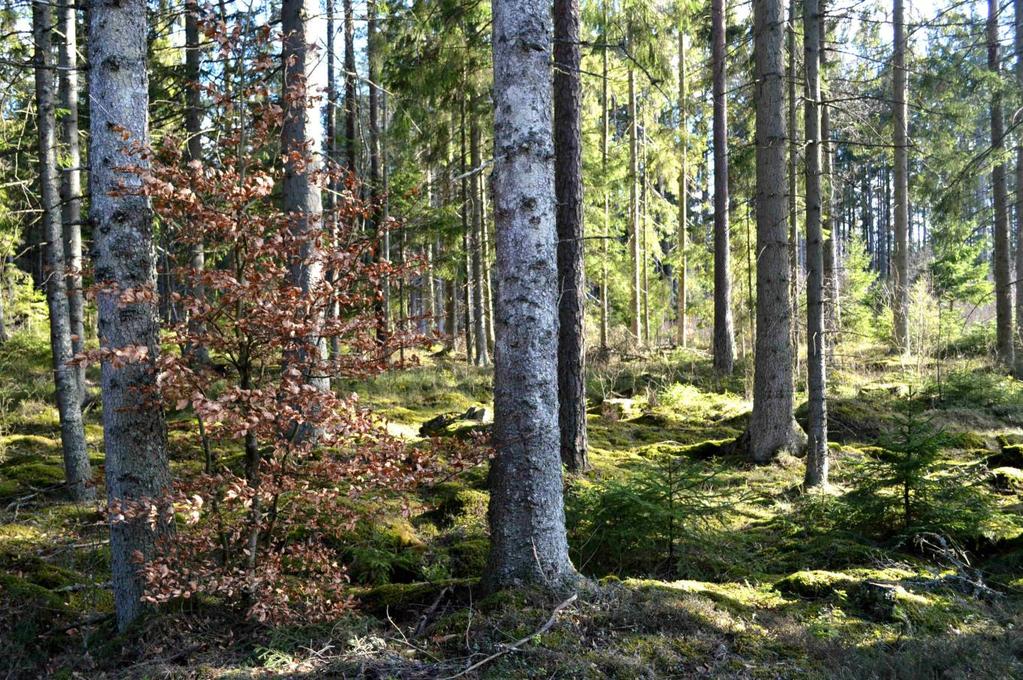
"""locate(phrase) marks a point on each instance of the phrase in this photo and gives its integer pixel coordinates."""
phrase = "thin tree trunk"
(71, 181)
(724, 332)
(793, 130)
(568, 183)
(77, 471)
(376, 182)
(464, 210)
(302, 134)
(479, 334)
(527, 517)
(900, 303)
(643, 232)
(1018, 39)
(832, 291)
(134, 430)
(1003, 271)
(817, 448)
(634, 237)
(351, 105)
(606, 233)
(485, 240)
(683, 193)
(429, 290)
(772, 427)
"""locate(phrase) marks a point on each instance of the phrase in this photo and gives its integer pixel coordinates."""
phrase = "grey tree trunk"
(1018, 18)
(900, 303)
(527, 515)
(724, 331)
(71, 180)
(772, 427)
(682, 325)
(193, 130)
(636, 308)
(832, 290)
(376, 182)
(77, 471)
(568, 183)
(351, 106)
(481, 354)
(793, 131)
(302, 132)
(134, 431)
(604, 135)
(817, 447)
(1003, 271)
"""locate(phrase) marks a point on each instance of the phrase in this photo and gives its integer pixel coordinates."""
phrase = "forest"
(437, 339)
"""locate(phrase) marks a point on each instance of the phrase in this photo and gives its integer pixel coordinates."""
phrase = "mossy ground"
(761, 580)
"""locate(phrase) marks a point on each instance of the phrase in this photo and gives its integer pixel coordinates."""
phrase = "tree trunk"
(479, 332)
(351, 105)
(772, 427)
(302, 134)
(724, 333)
(1018, 18)
(568, 183)
(793, 131)
(77, 471)
(900, 303)
(682, 328)
(817, 447)
(644, 284)
(527, 517)
(1003, 271)
(375, 184)
(134, 436)
(606, 233)
(71, 181)
(832, 291)
(634, 236)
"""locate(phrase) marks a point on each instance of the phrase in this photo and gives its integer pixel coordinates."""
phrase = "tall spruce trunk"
(724, 331)
(772, 427)
(817, 446)
(481, 355)
(527, 516)
(77, 472)
(832, 290)
(900, 301)
(793, 159)
(71, 180)
(1018, 41)
(682, 300)
(606, 232)
(1003, 269)
(351, 105)
(302, 134)
(134, 430)
(636, 306)
(568, 183)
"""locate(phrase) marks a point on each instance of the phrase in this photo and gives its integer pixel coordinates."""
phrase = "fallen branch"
(518, 643)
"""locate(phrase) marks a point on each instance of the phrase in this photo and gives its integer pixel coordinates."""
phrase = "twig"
(425, 619)
(518, 643)
(75, 587)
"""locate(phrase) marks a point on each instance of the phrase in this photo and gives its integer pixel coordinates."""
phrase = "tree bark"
(527, 517)
(376, 168)
(481, 356)
(77, 471)
(606, 233)
(1018, 40)
(351, 105)
(900, 303)
(682, 301)
(817, 447)
(302, 134)
(832, 290)
(793, 131)
(772, 427)
(71, 181)
(568, 183)
(724, 332)
(634, 236)
(134, 430)
(1003, 271)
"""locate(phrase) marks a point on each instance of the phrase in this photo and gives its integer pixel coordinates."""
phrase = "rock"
(1007, 478)
(814, 583)
(1011, 455)
(875, 599)
(618, 409)
(456, 424)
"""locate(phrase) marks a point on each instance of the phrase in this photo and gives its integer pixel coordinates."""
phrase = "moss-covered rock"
(1011, 455)
(1007, 478)
(814, 583)
(398, 597)
(618, 409)
(469, 557)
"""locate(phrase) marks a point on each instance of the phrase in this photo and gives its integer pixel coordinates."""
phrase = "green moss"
(814, 583)
(1007, 478)
(469, 557)
(399, 596)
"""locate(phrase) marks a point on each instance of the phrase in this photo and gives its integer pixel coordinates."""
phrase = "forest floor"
(701, 564)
